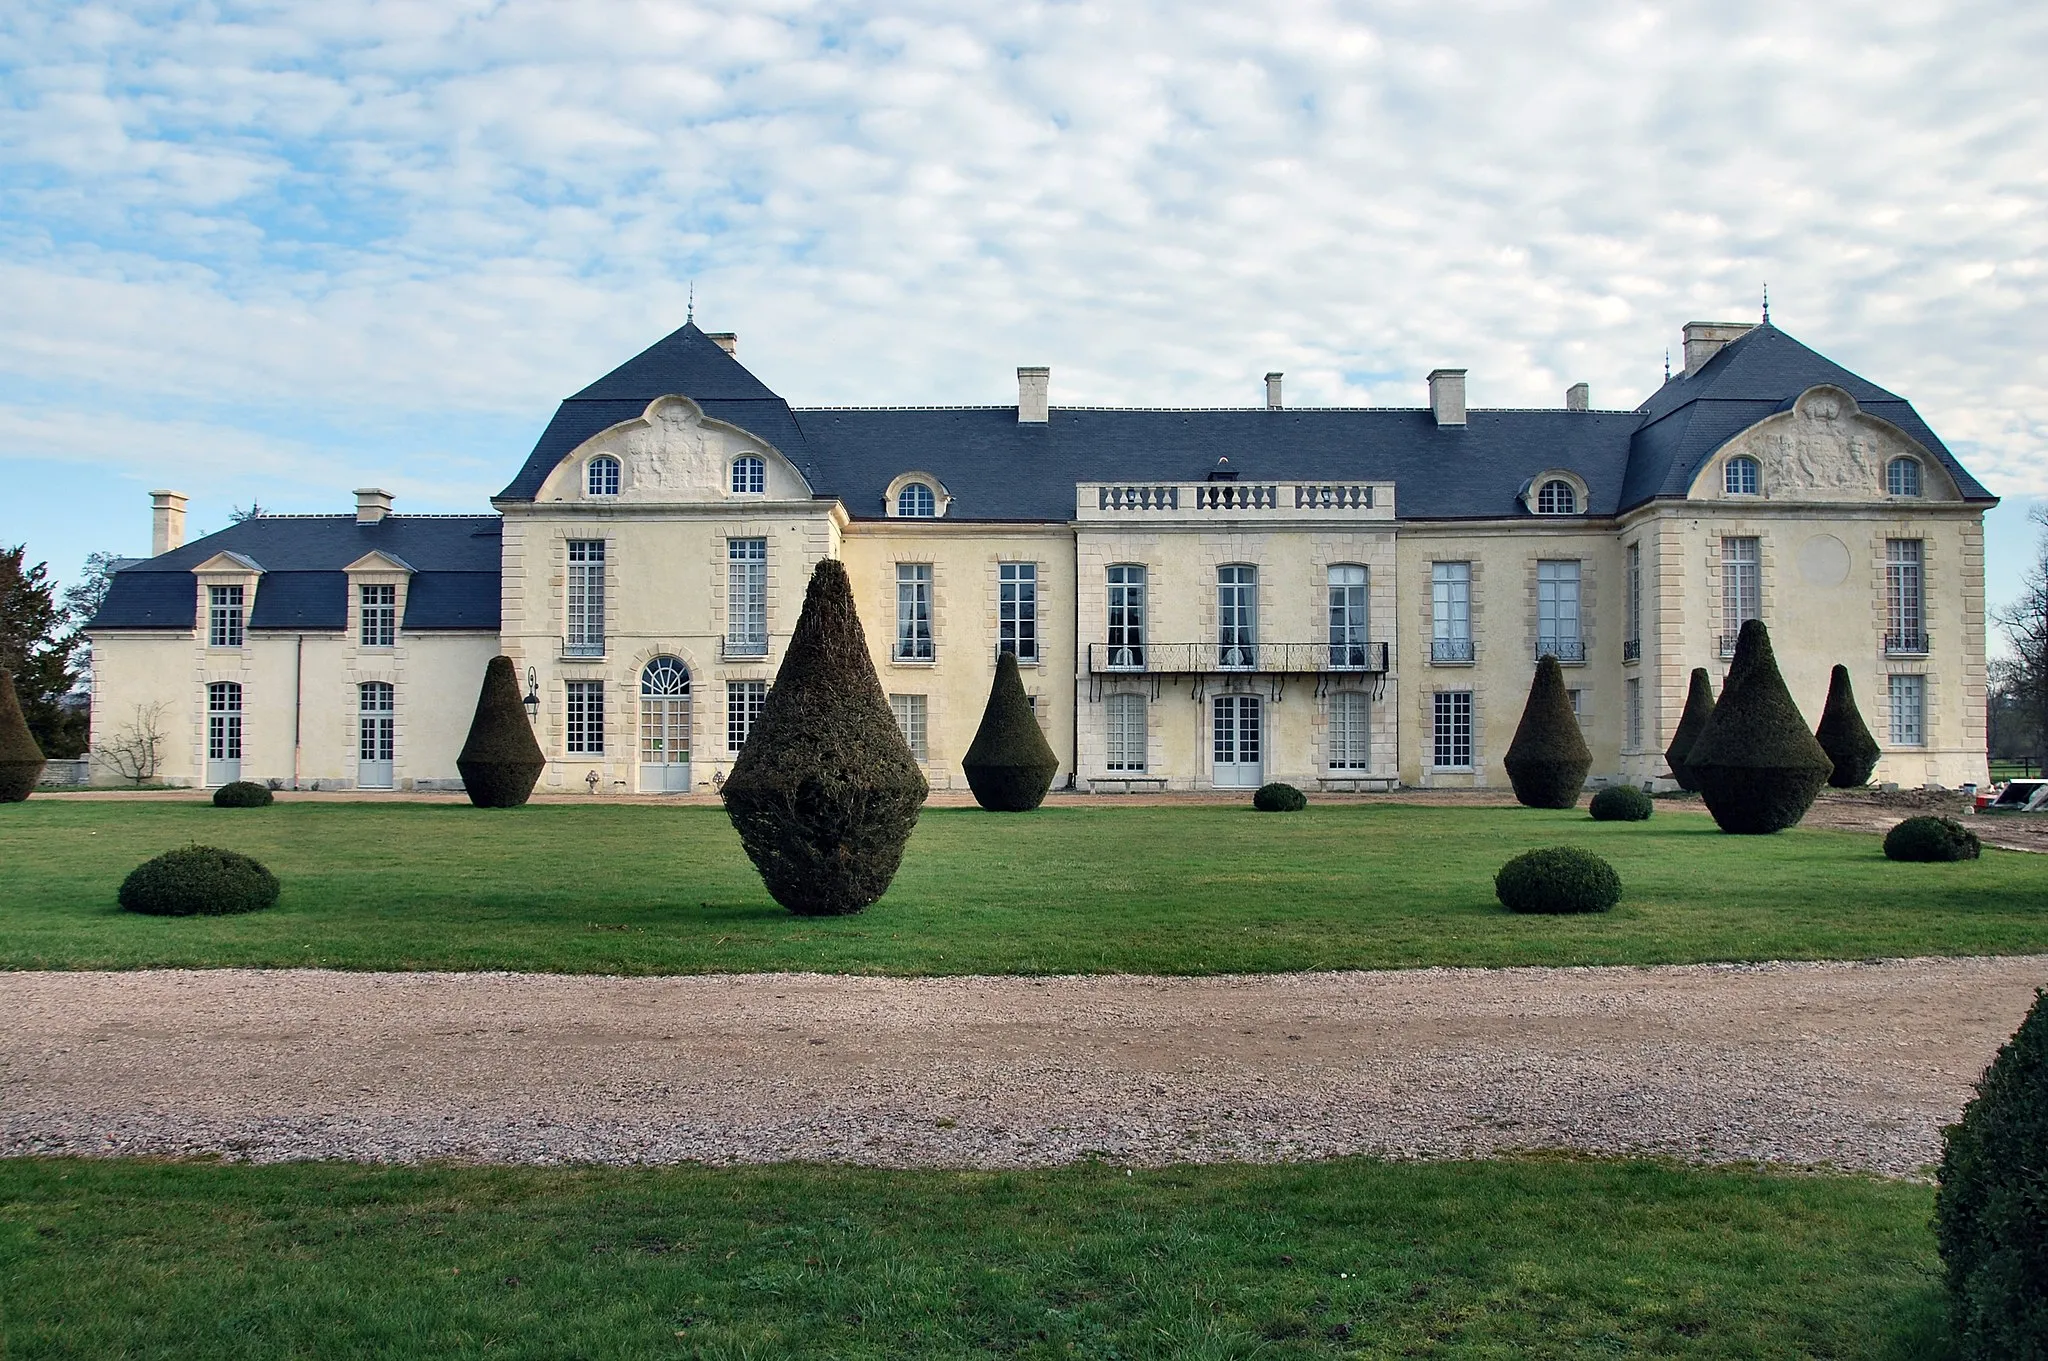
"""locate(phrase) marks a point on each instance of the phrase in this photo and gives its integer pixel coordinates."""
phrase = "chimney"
(1578, 397)
(1272, 392)
(1447, 396)
(372, 505)
(166, 522)
(728, 341)
(1033, 395)
(1704, 339)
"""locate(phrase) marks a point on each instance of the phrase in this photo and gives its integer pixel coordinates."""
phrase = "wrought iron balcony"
(1905, 643)
(1564, 649)
(1201, 659)
(1631, 649)
(1456, 651)
(1725, 645)
(743, 649)
(584, 650)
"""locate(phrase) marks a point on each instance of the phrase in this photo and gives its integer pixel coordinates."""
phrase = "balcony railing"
(1631, 649)
(1564, 649)
(1905, 643)
(1453, 650)
(584, 649)
(1725, 645)
(1200, 659)
(1319, 500)
(743, 649)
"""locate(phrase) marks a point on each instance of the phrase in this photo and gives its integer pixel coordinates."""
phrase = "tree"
(135, 750)
(36, 646)
(1699, 707)
(236, 515)
(2025, 625)
(1757, 764)
(825, 793)
(500, 762)
(1548, 760)
(21, 760)
(1009, 764)
(82, 600)
(2013, 726)
(1844, 737)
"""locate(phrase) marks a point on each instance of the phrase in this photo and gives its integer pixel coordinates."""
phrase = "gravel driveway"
(1856, 1065)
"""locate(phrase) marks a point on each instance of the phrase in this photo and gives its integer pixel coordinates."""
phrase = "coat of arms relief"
(1824, 449)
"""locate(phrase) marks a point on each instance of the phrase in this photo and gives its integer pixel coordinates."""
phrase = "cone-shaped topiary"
(501, 761)
(21, 760)
(1757, 765)
(1548, 760)
(1843, 736)
(1988, 1219)
(1699, 707)
(825, 793)
(1009, 764)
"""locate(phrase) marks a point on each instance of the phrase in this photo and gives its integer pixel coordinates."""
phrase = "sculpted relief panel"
(671, 454)
(1824, 449)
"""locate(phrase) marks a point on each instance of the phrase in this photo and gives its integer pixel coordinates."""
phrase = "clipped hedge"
(500, 761)
(202, 881)
(243, 794)
(1844, 736)
(1991, 1205)
(21, 760)
(1931, 838)
(1621, 803)
(1557, 880)
(1699, 707)
(1757, 765)
(1279, 798)
(1009, 764)
(1548, 760)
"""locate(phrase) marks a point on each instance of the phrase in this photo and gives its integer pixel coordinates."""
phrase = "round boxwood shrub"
(1699, 707)
(198, 881)
(1009, 764)
(1931, 838)
(1548, 760)
(21, 760)
(1557, 879)
(1621, 803)
(1989, 1222)
(1279, 798)
(501, 761)
(1844, 736)
(1757, 764)
(243, 794)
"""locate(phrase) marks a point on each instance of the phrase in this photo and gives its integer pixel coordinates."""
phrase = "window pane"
(744, 701)
(1557, 610)
(1902, 477)
(224, 721)
(1237, 616)
(1635, 713)
(1450, 586)
(1453, 729)
(1347, 616)
(916, 501)
(910, 712)
(913, 611)
(1909, 711)
(224, 616)
(1905, 596)
(379, 606)
(746, 604)
(1126, 714)
(1126, 615)
(1634, 632)
(1017, 610)
(586, 718)
(586, 598)
(1350, 731)
(1741, 584)
(604, 477)
(749, 474)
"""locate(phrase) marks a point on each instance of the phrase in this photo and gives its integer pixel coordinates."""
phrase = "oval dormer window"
(1741, 477)
(1557, 497)
(749, 474)
(1902, 477)
(601, 478)
(916, 502)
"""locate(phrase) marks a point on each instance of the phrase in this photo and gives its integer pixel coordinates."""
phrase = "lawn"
(1536, 1258)
(1184, 889)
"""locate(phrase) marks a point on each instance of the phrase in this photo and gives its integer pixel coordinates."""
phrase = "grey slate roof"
(997, 469)
(304, 587)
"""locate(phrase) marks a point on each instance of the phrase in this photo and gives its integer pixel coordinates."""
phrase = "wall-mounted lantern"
(532, 700)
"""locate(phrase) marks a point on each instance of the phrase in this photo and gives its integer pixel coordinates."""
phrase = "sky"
(271, 252)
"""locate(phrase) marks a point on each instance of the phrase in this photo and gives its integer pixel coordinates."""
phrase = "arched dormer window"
(1557, 497)
(915, 501)
(1902, 477)
(601, 477)
(749, 474)
(1740, 476)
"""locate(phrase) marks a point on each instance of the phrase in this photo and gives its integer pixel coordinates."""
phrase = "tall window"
(1450, 589)
(1905, 628)
(586, 599)
(1017, 609)
(1739, 476)
(1557, 611)
(380, 615)
(223, 616)
(1902, 477)
(586, 718)
(1632, 641)
(1350, 730)
(749, 474)
(1237, 616)
(744, 701)
(1633, 688)
(1557, 497)
(601, 477)
(909, 711)
(913, 611)
(1347, 615)
(664, 713)
(224, 721)
(1909, 711)
(1126, 615)
(916, 502)
(1453, 730)
(1742, 595)
(1126, 715)
(376, 720)
(746, 597)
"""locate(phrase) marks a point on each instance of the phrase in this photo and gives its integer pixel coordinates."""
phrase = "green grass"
(1170, 890)
(1537, 1258)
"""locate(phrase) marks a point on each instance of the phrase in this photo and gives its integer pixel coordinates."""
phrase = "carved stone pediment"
(671, 453)
(1824, 449)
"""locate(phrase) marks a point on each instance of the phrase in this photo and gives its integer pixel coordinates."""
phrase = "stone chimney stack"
(1578, 397)
(1447, 396)
(372, 505)
(166, 522)
(1704, 339)
(1273, 391)
(729, 341)
(1034, 396)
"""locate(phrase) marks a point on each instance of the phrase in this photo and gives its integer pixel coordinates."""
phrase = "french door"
(1237, 729)
(664, 726)
(223, 733)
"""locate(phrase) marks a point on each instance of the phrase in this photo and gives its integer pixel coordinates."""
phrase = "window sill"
(917, 663)
(1466, 662)
(1453, 770)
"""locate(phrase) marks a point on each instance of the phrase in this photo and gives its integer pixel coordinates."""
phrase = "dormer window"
(602, 476)
(1557, 497)
(1740, 477)
(749, 475)
(916, 502)
(1902, 477)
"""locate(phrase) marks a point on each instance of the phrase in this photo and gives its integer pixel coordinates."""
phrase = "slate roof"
(454, 585)
(997, 469)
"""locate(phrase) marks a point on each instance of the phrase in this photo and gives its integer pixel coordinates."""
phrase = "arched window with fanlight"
(1557, 497)
(664, 726)
(916, 501)
(601, 477)
(1740, 476)
(1902, 477)
(749, 474)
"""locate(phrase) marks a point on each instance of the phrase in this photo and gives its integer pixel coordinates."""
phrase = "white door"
(223, 733)
(1237, 742)
(376, 729)
(664, 727)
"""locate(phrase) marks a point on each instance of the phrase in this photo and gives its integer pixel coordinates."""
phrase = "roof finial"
(692, 317)
(1667, 363)
(1767, 302)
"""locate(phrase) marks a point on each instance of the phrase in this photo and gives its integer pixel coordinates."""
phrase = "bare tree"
(136, 751)
(2025, 622)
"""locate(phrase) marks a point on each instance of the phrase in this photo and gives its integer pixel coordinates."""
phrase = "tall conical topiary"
(21, 760)
(1009, 765)
(1843, 736)
(825, 793)
(501, 760)
(1757, 765)
(1548, 760)
(1699, 707)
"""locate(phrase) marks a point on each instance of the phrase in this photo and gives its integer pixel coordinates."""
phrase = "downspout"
(298, 699)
